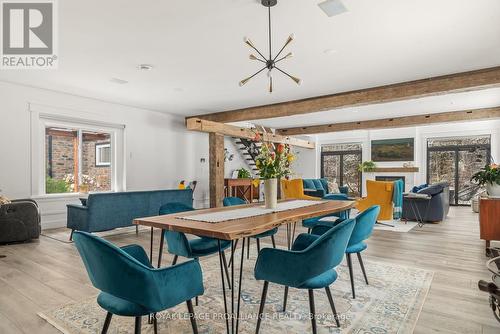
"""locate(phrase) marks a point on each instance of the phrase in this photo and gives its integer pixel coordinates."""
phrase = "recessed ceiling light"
(118, 81)
(145, 67)
(330, 51)
(332, 7)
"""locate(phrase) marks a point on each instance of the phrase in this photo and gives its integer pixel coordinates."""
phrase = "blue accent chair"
(312, 222)
(230, 201)
(309, 265)
(130, 286)
(365, 222)
(179, 245)
(107, 211)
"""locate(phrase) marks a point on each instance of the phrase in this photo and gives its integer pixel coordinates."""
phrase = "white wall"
(421, 134)
(158, 149)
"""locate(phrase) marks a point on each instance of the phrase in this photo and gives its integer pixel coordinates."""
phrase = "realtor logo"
(28, 35)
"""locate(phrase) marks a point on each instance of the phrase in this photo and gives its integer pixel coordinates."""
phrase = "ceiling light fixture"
(145, 67)
(270, 63)
(332, 7)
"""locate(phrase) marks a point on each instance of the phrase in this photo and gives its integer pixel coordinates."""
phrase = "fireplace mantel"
(395, 170)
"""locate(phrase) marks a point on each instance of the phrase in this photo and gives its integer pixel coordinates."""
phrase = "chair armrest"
(176, 284)
(77, 217)
(303, 241)
(138, 253)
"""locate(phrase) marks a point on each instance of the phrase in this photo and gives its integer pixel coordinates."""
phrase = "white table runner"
(217, 217)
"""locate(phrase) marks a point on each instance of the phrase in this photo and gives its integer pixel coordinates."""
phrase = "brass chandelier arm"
(250, 44)
(297, 80)
(288, 41)
(244, 81)
(289, 55)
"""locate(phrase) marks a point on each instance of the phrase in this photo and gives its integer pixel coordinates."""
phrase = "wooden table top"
(244, 227)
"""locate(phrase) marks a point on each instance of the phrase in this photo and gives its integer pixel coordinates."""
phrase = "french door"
(455, 161)
(342, 167)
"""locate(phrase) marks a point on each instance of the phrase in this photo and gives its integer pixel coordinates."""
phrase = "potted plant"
(273, 162)
(367, 166)
(244, 174)
(490, 177)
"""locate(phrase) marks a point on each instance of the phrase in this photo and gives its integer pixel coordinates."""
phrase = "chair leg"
(196, 301)
(261, 308)
(232, 252)
(136, 229)
(274, 241)
(174, 262)
(248, 248)
(155, 324)
(192, 317)
(362, 267)
(312, 311)
(349, 264)
(258, 245)
(160, 252)
(71, 235)
(308, 231)
(106, 323)
(285, 298)
(332, 304)
(137, 325)
(226, 270)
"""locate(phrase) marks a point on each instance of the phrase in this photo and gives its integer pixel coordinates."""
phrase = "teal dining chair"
(230, 201)
(179, 245)
(309, 265)
(130, 286)
(312, 222)
(363, 229)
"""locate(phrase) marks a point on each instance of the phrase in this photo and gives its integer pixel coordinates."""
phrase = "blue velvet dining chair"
(179, 245)
(230, 201)
(312, 222)
(309, 265)
(130, 286)
(363, 229)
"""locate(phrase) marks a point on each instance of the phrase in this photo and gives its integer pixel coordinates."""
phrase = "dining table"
(239, 222)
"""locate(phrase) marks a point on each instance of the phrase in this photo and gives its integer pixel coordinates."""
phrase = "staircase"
(249, 150)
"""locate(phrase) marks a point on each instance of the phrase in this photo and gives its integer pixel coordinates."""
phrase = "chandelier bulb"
(252, 57)
(269, 74)
(289, 55)
(248, 41)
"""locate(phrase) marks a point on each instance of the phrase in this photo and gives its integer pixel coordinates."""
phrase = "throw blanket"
(397, 198)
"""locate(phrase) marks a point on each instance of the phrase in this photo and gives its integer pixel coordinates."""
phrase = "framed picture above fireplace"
(401, 149)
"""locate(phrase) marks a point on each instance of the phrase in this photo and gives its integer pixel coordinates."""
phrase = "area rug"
(390, 304)
(397, 226)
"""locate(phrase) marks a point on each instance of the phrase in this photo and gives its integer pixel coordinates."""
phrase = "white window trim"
(98, 162)
(43, 116)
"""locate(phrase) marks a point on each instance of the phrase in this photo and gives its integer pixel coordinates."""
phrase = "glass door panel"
(441, 168)
(352, 177)
(469, 161)
(331, 168)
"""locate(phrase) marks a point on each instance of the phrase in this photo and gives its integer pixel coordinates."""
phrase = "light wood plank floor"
(46, 273)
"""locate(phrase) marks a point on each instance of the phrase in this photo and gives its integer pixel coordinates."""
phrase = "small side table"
(413, 199)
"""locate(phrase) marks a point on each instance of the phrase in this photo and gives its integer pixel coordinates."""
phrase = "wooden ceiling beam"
(196, 124)
(396, 122)
(453, 83)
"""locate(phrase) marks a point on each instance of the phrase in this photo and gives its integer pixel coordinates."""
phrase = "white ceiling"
(199, 56)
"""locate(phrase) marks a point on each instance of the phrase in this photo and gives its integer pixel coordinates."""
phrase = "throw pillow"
(4, 200)
(333, 188)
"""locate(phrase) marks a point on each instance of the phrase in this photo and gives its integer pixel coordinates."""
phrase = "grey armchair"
(438, 207)
(19, 221)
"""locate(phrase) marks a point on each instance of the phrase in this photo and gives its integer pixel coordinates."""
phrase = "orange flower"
(494, 166)
(280, 148)
(257, 137)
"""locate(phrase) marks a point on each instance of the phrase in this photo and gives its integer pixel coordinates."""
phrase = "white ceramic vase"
(271, 193)
(493, 189)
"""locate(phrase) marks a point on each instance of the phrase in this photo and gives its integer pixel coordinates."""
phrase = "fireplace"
(390, 179)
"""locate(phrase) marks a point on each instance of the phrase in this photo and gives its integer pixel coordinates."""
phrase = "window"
(102, 155)
(339, 164)
(77, 160)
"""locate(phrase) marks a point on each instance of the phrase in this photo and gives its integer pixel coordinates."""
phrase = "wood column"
(216, 169)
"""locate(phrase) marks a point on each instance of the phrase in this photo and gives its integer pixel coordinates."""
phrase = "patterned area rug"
(390, 304)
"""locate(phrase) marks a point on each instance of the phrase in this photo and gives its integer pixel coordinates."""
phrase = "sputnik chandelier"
(270, 63)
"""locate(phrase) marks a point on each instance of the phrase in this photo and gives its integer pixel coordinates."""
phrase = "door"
(455, 161)
(341, 167)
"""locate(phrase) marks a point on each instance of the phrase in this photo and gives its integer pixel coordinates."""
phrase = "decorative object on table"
(19, 220)
(367, 166)
(273, 162)
(129, 284)
(270, 62)
(244, 173)
(492, 288)
(489, 176)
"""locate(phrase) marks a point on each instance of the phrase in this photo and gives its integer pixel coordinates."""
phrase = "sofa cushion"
(416, 189)
(308, 184)
(433, 189)
(317, 184)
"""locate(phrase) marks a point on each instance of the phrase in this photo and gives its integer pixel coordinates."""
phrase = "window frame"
(98, 162)
(340, 154)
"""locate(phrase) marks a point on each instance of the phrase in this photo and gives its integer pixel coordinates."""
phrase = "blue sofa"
(107, 211)
(319, 187)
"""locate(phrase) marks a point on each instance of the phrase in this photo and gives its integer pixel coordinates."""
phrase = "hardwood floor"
(46, 273)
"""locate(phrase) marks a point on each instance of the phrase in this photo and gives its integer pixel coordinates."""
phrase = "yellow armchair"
(294, 189)
(378, 193)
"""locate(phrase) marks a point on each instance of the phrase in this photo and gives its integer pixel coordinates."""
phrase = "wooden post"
(216, 169)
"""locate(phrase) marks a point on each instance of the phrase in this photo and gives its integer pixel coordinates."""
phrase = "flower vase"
(493, 190)
(271, 193)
